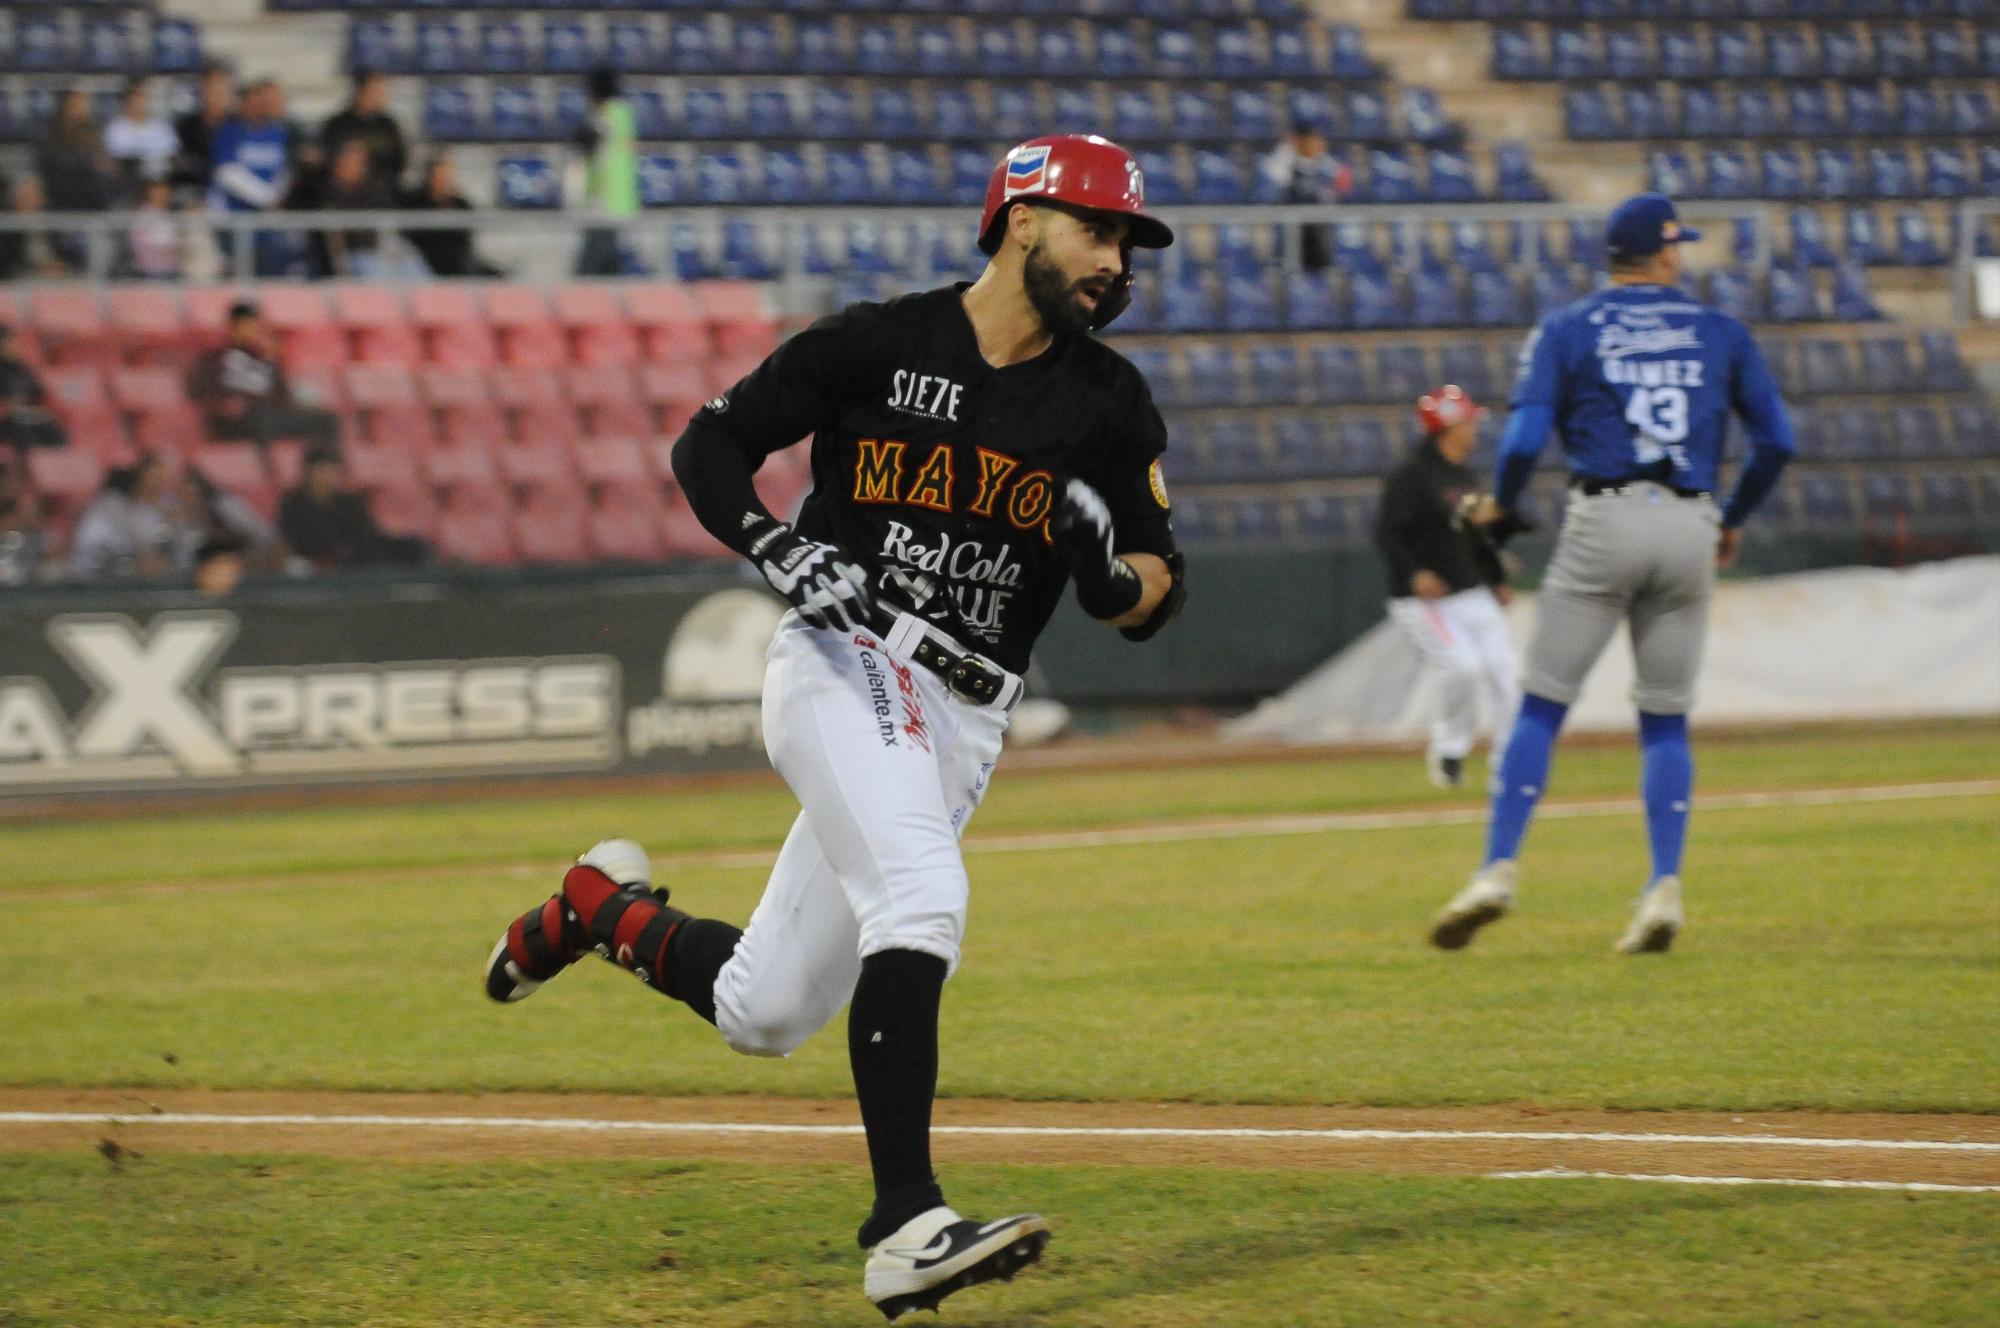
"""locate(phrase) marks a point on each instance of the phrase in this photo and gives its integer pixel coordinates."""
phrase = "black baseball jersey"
(926, 457)
(1418, 528)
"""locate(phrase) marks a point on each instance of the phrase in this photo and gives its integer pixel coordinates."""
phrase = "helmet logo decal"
(1136, 183)
(1027, 170)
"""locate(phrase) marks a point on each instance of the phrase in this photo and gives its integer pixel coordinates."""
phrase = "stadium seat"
(528, 335)
(377, 328)
(72, 328)
(526, 182)
(625, 526)
(1943, 370)
(1338, 376)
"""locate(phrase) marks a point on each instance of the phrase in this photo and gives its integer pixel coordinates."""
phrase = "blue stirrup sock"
(1667, 783)
(1524, 772)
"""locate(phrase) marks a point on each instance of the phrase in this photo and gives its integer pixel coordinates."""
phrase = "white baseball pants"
(888, 768)
(1469, 652)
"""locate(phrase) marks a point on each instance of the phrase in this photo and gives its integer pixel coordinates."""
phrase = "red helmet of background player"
(1081, 170)
(1449, 405)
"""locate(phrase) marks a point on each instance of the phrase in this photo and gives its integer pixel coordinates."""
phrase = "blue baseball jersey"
(1641, 380)
(262, 150)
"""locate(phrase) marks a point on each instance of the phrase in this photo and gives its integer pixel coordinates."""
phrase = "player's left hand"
(1728, 543)
(1082, 525)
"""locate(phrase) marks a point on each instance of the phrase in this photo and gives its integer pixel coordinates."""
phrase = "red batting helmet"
(1449, 405)
(1081, 170)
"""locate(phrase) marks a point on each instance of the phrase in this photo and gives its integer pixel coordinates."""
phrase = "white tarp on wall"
(1853, 643)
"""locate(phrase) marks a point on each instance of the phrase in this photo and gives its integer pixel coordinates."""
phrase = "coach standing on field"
(1640, 380)
(1447, 584)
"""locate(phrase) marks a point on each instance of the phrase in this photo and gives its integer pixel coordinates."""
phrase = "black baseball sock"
(892, 1043)
(699, 949)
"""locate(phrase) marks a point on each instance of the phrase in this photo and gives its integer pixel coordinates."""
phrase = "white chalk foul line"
(1915, 1186)
(597, 1125)
(1252, 827)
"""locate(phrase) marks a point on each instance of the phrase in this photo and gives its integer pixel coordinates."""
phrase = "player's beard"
(1056, 299)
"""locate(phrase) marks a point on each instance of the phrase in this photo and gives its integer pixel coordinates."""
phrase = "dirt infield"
(1892, 1150)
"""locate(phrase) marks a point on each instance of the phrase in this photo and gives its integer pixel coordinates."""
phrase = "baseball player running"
(1447, 584)
(1640, 380)
(974, 450)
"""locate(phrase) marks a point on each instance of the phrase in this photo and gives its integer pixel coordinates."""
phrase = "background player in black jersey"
(1447, 584)
(974, 451)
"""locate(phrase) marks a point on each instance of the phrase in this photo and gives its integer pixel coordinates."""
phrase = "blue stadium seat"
(1392, 178)
(1188, 302)
(1312, 303)
(1669, 173)
(1550, 288)
(1835, 174)
(1518, 54)
(970, 170)
(1728, 175)
(937, 49)
(786, 178)
(1587, 114)
(1702, 114)
(1241, 250)
(754, 48)
(1015, 115)
(526, 182)
(1736, 294)
(1739, 53)
(1237, 52)
(1898, 52)
(1310, 107)
(1972, 113)
(817, 47)
(1164, 182)
(1759, 114)
(878, 49)
(1824, 366)
(374, 47)
(1252, 116)
(503, 47)
(1585, 243)
(1575, 54)
(1436, 300)
(1783, 174)
(1684, 56)
(1825, 499)
(1810, 243)
(1989, 169)
(1628, 53)
(1989, 51)
(1515, 180)
(848, 177)
(1058, 54)
(1292, 55)
(1274, 375)
(1347, 54)
(1861, 237)
(1470, 366)
(746, 252)
(1259, 519)
(1216, 377)
(1947, 53)
(1916, 241)
(1496, 300)
(830, 112)
(1867, 113)
(1304, 450)
(1197, 520)
(448, 114)
(1320, 515)
(176, 46)
(1217, 179)
(660, 180)
(105, 46)
(706, 111)
(1235, 452)
(1368, 117)
(1195, 116)
(690, 48)
(1119, 53)
(868, 249)
(1976, 433)
(1424, 119)
(913, 178)
(892, 113)
(1919, 113)
(1886, 495)
(567, 49)
(1472, 247)
(1154, 363)
(1943, 370)
(1176, 52)
(1852, 302)
(514, 112)
(1451, 177)
(1135, 116)
(690, 253)
(999, 52)
(1354, 248)
(1788, 53)
(1946, 496)
(1338, 376)
(1918, 431)
(1402, 373)
(1856, 433)
(1794, 299)
(1365, 447)
(572, 111)
(629, 48)
(720, 177)
(1843, 53)
(1250, 303)
(1945, 173)
(1890, 174)
(767, 113)
(440, 47)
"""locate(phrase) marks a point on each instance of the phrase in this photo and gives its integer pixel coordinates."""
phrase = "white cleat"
(1657, 921)
(938, 1252)
(620, 859)
(539, 944)
(1486, 898)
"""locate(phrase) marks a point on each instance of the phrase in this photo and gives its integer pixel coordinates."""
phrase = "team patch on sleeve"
(1159, 483)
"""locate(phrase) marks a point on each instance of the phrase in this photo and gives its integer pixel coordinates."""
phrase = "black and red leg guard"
(544, 941)
(670, 951)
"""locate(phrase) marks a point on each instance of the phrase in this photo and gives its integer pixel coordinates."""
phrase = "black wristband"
(1109, 591)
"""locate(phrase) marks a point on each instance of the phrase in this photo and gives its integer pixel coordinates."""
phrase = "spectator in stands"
(366, 118)
(153, 240)
(27, 255)
(203, 513)
(327, 524)
(140, 143)
(252, 158)
(219, 565)
(348, 185)
(241, 389)
(125, 530)
(24, 418)
(445, 253)
(77, 173)
(611, 174)
(23, 544)
(1302, 171)
(195, 131)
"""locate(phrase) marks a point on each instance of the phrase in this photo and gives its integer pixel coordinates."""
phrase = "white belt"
(967, 675)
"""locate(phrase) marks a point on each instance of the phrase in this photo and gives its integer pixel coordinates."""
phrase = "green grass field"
(1839, 957)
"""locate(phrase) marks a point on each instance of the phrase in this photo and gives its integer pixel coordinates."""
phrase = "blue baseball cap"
(1643, 225)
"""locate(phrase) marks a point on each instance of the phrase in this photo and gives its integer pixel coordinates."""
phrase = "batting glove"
(1106, 585)
(826, 589)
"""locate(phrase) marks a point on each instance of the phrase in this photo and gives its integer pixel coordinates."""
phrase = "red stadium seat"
(455, 385)
(583, 304)
(71, 473)
(78, 398)
(530, 337)
(475, 534)
(618, 419)
(149, 320)
(405, 510)
(237, 467)
(781, 488)
(550, 526)
(626, 524)
(555, 420)
(454, 332)
(599, 331)
(590, 384)
(72, 328)
(381, 465)
(527, 387)
(174, 428)
(670, 324)
(610, 459)
(536, 458)
(208, 309)
(371, 385)
(380, 333)
(480, 423)
(730, 370)
(675, 380)
(391, 411)
(683, 534)
(737, 320)
(308, 338)
(463, 458)
(147, 389)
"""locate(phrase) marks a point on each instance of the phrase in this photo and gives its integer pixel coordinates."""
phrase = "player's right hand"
(826, 588)
(1728, 543)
